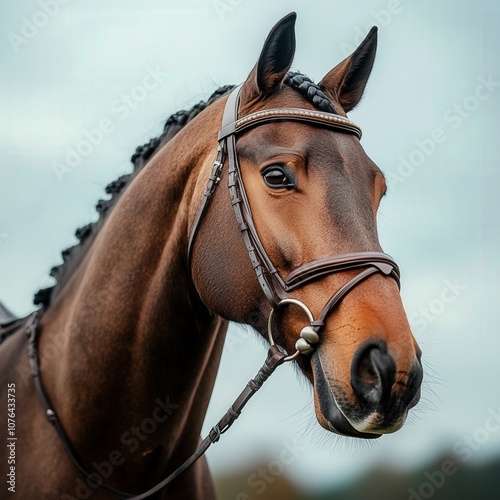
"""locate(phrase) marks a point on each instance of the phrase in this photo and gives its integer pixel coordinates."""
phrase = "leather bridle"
(276, 289)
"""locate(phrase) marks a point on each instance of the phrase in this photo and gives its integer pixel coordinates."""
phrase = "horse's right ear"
(274, 61)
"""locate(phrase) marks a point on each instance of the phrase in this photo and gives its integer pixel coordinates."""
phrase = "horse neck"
(128, 322)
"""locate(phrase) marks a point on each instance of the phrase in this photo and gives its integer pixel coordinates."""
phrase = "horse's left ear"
(346, 82)
(274, 61)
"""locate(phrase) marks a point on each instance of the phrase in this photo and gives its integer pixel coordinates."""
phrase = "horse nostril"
(372, 373)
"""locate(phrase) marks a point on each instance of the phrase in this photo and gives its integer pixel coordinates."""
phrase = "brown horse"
(131, 336)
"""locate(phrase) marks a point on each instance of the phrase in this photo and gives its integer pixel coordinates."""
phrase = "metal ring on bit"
(303, 344)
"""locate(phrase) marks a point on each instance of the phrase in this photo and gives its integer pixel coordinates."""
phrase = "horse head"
(312, 193)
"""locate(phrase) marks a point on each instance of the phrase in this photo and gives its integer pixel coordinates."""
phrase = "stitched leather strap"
(310, 117)
(261, 262)
(337, 263)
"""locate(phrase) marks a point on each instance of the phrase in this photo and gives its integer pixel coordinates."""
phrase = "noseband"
(277, 289)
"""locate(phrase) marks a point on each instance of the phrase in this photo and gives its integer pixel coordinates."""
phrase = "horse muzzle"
(374, 401)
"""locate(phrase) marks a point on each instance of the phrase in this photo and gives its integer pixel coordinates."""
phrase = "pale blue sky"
(430, 120)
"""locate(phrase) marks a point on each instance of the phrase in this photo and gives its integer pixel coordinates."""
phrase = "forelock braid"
(309, 90)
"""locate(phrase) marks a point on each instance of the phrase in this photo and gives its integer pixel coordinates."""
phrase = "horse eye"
(277, 178)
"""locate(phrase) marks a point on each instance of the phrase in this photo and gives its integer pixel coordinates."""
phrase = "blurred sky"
(430, 121)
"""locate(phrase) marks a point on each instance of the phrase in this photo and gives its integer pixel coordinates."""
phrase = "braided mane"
(72, 256)
(310, 90)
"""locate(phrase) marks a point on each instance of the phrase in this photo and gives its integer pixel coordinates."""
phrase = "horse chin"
(332, 419)
(332, 415)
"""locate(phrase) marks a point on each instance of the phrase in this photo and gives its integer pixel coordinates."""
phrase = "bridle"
(276, 289)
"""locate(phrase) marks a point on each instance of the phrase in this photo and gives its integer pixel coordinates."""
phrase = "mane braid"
(72, 256)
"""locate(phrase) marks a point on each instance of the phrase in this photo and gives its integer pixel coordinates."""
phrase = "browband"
(310, 117)
(232, 125)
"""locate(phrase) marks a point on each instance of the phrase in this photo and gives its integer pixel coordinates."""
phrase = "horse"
(109, 379)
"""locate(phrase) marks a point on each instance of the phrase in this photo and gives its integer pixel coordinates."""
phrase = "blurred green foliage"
(459, 482)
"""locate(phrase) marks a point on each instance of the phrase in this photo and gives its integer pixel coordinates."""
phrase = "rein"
(274, 359)
(276, 289)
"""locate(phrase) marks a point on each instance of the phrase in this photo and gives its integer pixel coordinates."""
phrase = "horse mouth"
(336, 412)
